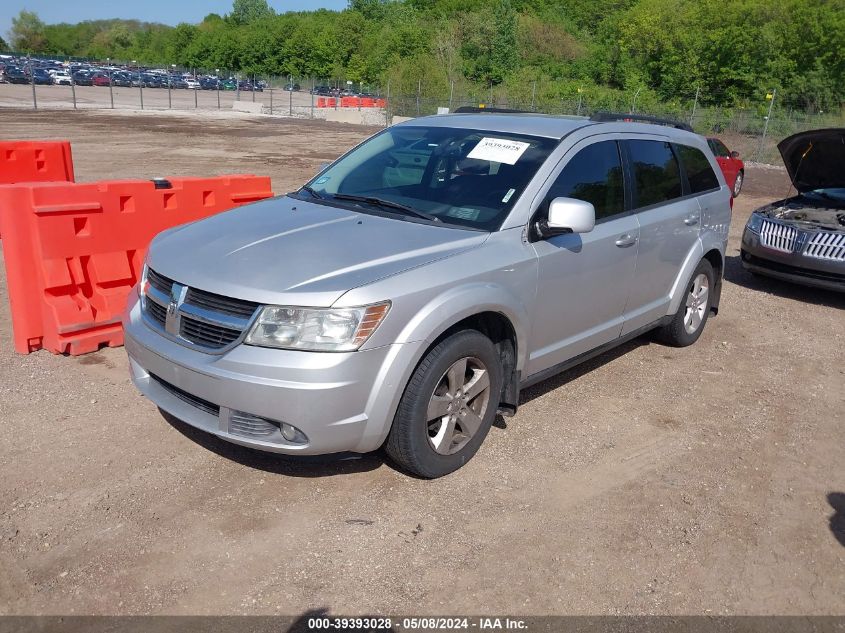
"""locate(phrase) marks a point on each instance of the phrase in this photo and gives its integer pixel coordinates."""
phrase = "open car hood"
(815, 159)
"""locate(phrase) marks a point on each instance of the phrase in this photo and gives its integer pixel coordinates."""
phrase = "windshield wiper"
(312, 192)
(388, 204)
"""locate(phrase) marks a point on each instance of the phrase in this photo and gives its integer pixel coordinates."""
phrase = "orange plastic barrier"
(381, 103)
(35, 161)
(331, 102)
(368, 102)
(321, 102)
(74, 251)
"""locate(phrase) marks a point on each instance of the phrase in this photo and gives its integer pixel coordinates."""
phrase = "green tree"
(505, 55)
(249, 11)
(27, 33)
(3, 45)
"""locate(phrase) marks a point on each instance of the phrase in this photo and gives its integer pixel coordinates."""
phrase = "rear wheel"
(688, 323)
(448, 406)
(738, 184)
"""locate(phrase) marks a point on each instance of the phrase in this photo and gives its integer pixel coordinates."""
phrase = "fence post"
(270, 86)
(253, 88)
(141, 87)
(218, 92)
(765, 125)
(694, 106)
(32, 81)
(533, 93)
(419, 90)
(387, 117)
(73, 89)
(111, 90)
(290, 95)
(312, 97)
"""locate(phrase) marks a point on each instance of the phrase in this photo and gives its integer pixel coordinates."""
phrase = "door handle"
(626, 240)
(691, 220)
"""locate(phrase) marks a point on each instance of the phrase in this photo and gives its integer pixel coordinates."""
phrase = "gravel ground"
(651, 480)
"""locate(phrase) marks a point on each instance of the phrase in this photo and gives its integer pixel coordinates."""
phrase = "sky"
(164, 11)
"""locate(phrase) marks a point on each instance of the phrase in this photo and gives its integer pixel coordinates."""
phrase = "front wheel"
(688, 323)
(738, 184)
(448, 406)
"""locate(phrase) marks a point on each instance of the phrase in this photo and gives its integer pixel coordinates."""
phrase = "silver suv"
(406, 294)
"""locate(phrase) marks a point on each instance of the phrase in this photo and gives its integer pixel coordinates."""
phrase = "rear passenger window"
(699, 173)
(656, 174)
(594, 175)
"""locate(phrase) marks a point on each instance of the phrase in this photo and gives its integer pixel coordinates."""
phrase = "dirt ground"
(705, 480)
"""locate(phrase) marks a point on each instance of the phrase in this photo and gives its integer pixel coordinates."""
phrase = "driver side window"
(594, 175)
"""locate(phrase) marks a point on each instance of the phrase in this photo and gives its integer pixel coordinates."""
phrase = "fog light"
(293, 434)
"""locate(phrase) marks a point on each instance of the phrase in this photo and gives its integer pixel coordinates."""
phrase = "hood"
(815, 159)
(290, 252)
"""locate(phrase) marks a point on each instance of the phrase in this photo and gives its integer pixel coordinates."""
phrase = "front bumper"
(795, 267)
(340, 401)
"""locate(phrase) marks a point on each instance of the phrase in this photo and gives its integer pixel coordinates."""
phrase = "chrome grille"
(199, 403)
(159, 282)
(251, 425)
(826, 245)
(207, 334)
(156, 311)
(218, 303)
(777, 236)
(195, 317)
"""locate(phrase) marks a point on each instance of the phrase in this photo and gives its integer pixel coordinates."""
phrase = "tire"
(740, 177)
(689, 321)
(434, 433)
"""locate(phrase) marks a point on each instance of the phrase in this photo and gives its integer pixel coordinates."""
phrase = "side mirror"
(734, 154)
(567, 215)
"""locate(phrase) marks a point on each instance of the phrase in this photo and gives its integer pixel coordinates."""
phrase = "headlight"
(314, 329)
(755, 221)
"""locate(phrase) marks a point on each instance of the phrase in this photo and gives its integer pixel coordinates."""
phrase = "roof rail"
(477, 110)
(604, 117)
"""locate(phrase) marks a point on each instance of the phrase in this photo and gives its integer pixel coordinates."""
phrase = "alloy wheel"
(457, 406)
(697, 303)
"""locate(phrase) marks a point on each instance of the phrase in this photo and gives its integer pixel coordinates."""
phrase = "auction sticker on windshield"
(498, 150)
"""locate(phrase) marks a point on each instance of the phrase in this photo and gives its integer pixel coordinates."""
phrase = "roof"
(542, 125)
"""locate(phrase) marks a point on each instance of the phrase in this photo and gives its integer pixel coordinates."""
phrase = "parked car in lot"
(730, 163)
(404, 295)
(61, 78)
(101, 79)
(210, 83)
(15, 75)
(292, 87)
(802, 238)
(122, 79)
(40, 77)
(192, 84)
(82, 79)
(229, 84)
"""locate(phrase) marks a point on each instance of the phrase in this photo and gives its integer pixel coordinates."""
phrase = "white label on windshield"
(498, 150)
(508, 195)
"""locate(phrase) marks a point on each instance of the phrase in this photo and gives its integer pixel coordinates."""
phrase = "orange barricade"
(381, 103)
(331, 102)
(74, 251)
(35, 161)
(321, 102)
(368, 102)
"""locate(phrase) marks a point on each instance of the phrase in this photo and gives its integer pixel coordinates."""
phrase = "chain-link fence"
(752, 129)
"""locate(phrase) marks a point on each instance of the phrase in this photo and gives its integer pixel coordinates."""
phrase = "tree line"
(730, 53)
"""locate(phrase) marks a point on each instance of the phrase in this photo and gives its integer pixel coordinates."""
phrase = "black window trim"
(685, 181)
(542, 208)
(630, 178)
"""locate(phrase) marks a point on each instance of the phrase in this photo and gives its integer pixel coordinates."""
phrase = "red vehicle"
(101, 79)
(732, 166)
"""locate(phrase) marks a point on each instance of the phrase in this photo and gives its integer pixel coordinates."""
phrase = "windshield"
(460, 177)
